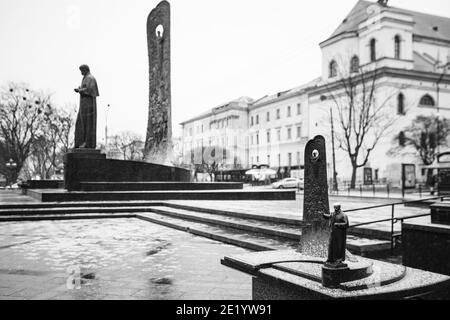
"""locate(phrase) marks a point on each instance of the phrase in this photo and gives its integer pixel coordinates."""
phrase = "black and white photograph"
(229, 154)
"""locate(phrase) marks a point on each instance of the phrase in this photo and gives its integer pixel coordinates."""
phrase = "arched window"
(354, 64)
(373, 50)
(427, 101)
(332, 69)
(401, 138)
(397, 44)
(401, 104)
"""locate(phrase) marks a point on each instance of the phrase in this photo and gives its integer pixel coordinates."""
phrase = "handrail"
(390, 219)
(393, 219)
(395, 204)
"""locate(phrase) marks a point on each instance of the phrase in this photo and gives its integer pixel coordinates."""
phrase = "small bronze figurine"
(338, 238)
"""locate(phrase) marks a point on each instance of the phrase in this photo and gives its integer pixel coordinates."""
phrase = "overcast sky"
(221, 50)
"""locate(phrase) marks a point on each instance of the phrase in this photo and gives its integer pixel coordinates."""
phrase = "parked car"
(288, 183)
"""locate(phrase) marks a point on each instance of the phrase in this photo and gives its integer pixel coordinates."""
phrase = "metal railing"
(393, 219)
(385, 190)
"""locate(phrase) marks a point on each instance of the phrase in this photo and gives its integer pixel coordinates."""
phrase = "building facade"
(218, 135)
(400, 58)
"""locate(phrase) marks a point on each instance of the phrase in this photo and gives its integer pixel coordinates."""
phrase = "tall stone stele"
(315, 235)
(158, 144)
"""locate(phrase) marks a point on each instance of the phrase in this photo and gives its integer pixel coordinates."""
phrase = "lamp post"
(106, 127)
(11, 166)
(335, 186)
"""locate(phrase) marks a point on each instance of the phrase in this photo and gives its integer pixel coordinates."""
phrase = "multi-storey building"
(406, 53)
(224, 128)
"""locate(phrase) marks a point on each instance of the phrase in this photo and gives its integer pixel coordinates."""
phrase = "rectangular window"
(257, 119)
(268, 160)
(289, 111)
(278, 114)
(299, 132)
(257, 138)
(268, 116)
(299, 109)
(268, 136)
(289, 133)
(251, 121)
(279, 135)
(257, 159)
(289, 159)
(298, 158)
(251, 139)
(279, 160)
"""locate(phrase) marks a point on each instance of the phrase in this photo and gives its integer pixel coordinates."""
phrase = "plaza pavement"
(34, 256)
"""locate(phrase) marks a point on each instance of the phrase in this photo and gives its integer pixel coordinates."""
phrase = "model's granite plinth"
(290, 275)
(440, 213)
(48, 195)
(151, 186)
(426, 246)
(83, 165)
(333, 277)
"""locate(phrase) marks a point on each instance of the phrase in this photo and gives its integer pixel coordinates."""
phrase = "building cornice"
(384, 72)
(431, 40)
(338, 37)
(214, 112)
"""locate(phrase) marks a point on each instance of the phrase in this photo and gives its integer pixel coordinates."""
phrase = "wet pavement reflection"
(113, 259)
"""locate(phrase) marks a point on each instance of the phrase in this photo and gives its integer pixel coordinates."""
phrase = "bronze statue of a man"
(338, 237)
(86, 124)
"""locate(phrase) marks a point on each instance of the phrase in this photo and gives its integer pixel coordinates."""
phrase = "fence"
(382, 190)
(393, 219)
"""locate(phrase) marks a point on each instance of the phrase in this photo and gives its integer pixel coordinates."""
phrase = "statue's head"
(337, 207)
(84, 68)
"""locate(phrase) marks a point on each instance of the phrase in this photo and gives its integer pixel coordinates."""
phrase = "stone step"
(79, 204)
(72, 210)
(365, 246)
(57, 195)
(252, 225)
(158, 186)
(421, 204)
(286, 221)
(43, 217)
(249, 240)
(357, 245)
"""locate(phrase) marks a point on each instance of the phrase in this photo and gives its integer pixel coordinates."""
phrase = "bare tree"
(422, 138)
(363, 115)
(49, 148)
(128, 144)
(21, 117)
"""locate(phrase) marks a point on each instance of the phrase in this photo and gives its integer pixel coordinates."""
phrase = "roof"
(423, 22)
(231, 105)
(285, 94)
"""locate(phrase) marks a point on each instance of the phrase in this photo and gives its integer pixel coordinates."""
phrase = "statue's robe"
(338, 238)
(86, 124)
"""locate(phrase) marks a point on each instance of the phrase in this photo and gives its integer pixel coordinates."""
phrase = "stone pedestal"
(90, 165)
(289, 275)
(426, 246)
(78, 166)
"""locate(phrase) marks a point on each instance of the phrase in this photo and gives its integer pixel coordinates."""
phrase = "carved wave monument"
(321, 267)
